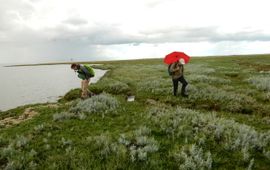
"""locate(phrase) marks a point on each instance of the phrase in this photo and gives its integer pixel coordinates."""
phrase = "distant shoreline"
(53, 63)
(80, 62)
(130, 60)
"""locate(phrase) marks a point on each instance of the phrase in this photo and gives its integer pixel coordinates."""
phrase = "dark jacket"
(177, 70)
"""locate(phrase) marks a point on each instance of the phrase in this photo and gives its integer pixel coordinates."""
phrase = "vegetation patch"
(99, 104)
(193, 157)
(206, 130)
(222, 99)
(260, 82)
(136, 146)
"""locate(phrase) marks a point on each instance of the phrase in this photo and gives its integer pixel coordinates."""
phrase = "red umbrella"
(175, 56)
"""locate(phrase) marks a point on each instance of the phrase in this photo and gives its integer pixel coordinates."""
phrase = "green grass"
(224, 124)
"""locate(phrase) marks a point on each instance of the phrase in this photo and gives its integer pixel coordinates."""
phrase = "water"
(37, 84)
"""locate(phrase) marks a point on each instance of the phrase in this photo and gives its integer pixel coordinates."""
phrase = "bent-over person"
(85, 72)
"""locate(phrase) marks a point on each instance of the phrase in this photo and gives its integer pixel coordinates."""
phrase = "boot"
(183, 93)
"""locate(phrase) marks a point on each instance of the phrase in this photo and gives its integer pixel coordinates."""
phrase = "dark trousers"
(175, 85)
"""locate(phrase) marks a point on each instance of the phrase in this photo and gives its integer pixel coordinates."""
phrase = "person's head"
(75, 66)
(182, 61)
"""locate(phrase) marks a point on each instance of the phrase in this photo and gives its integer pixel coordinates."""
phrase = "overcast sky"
(60, 30)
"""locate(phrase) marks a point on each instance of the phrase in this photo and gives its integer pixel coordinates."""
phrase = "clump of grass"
(14, 164)
(207, 79)
(193, 157)
(117, 87)
(65, 142)
(266, 96)
(251, 164)
(17, 155)
(21, 141)
(207, 128)
(232, 74)
(8, 152)
(266, 154)
(3, 141)
(64, 116)
(111, 86)
(223, 100)
(100, 104)
(104, 144)
(260, 82)
(155, 86)
(71, 95)
(139, 145)
(39, 128)
(199, 69)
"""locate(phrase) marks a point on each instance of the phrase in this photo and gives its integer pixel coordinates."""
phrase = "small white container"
(130, 98)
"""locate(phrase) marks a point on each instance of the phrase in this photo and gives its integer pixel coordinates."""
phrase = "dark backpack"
(169, 70)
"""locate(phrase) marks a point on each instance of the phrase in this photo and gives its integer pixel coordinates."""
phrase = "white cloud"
(46, 30)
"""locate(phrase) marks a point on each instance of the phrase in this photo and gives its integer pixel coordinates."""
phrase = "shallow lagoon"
(37, 84)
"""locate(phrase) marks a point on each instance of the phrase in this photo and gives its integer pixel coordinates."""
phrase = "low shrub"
(104, 144)
(17, 154)
(207, 128)
(21, 141)
(207, 79)
(39, 128)
(65, 142)
(232, 74)
(223, 100)
(260, 82)
(139, 145)
(266, 96)
(199, 69)
(100, 104)
(71, 95)
(156, 86)
(111, 86)
(117, 87)
(193, 157)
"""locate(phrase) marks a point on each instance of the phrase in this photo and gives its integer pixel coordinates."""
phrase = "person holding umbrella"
(176, 61)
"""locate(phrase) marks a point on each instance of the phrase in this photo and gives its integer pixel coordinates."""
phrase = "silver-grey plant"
(139, 145)
(99, 104)
(193, 157)
(203, 127)
(260, 82)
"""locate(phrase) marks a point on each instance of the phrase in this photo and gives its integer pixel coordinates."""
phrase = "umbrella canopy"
(175, 56)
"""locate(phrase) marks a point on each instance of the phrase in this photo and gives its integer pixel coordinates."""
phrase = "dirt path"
(28, 113)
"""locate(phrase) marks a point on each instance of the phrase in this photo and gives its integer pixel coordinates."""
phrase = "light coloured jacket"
(177, 70)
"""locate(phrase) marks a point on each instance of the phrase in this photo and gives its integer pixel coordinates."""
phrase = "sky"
(34, 31)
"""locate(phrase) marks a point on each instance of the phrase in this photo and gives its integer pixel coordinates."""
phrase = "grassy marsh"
(224, 124)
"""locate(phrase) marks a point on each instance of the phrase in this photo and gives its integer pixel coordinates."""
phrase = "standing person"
(177, 70)
(85, 72)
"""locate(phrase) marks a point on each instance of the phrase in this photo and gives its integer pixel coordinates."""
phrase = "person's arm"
(174, 67)
(183, 69)
(81, 74)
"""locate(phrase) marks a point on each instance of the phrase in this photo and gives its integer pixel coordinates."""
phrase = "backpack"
(169, 70)
(90, 70)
